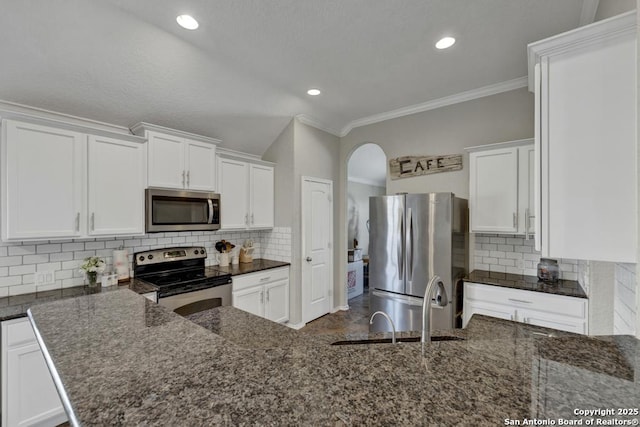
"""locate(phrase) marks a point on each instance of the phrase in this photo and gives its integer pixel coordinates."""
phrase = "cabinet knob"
(309, 259)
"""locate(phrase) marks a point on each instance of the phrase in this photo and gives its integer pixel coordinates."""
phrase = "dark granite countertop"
(17, 306)
(570, 288)
(258, 264)
(121, 359)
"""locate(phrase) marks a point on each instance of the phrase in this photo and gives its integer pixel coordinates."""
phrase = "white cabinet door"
(562, 323)
(587, 130)
(166, 161)
(117, 179)
(43, 181)
(201, 166)
(261, 196)
(250, 300)
(29, 396)
(493, 195)
(233, 187)
(276, 305)
(498, 311)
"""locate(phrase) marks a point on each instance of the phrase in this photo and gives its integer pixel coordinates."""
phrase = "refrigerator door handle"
(400, 298)
(401, 246)
(409, 240)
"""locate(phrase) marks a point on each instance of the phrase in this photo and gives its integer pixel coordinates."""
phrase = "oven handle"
(210, 221)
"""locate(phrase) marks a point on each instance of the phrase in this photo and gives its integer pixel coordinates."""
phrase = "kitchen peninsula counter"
(121, 359)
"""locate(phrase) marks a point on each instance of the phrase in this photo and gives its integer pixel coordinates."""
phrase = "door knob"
(309, 259)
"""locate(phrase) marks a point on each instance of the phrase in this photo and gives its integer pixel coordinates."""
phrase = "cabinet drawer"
(260, 278)
(18, 332)
(557, 304)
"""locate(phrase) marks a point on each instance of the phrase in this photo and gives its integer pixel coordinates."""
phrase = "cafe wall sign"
(409, 166)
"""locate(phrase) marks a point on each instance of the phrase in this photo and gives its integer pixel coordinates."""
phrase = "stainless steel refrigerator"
(413, 237)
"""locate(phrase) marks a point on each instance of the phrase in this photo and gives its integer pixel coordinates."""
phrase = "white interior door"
(317, 247)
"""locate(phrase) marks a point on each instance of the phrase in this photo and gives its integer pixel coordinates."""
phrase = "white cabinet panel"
(264, 293)
(247, 194)
(43, 181)
(117, 178)
(587, 137)
(261, 197)
(233, 186)
(29, 396)
(201, 173)
(166, 161)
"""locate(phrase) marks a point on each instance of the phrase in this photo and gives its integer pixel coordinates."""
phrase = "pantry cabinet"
(534, 308)
(585, 84)
(501, 178)
(247, 188)
(265, 293)
(61, 181)
(29, 396)
(179, 160)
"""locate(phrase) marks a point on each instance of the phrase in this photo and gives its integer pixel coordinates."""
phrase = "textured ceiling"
(243, 75)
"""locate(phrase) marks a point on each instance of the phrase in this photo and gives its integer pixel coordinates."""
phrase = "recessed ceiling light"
(187, 21)
(314, 92)
(445, 42)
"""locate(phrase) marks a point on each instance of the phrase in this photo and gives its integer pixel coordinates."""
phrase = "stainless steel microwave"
(177, 210)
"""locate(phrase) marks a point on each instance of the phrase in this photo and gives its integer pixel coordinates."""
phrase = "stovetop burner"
(177, 270)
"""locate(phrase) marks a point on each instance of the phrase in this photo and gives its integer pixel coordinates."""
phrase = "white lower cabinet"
(264, 293)
(535, 308)
(29, 396)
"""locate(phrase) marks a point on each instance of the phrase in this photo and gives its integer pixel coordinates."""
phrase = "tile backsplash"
(624, 303)
(516, 255)
(20, 261)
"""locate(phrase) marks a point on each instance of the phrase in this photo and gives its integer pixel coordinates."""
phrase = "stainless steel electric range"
(185, 285)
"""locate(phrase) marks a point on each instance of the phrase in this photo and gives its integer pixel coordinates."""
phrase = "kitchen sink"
(398, 340)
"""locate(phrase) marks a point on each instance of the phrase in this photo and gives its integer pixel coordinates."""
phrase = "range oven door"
(196, 301)
(176, 210)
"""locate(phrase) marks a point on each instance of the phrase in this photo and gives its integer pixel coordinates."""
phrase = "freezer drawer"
(406, 312)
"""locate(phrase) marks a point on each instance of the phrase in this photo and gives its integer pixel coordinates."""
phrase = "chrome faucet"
(441, 300)
(393, 327)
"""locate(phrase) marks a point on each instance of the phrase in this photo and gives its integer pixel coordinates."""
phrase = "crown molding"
(310, 121)
(469, 95)
(243, 157)
(141, 128)
(588, 12)
(366, 181)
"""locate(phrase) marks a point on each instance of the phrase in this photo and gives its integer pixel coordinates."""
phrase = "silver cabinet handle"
(309, 259)
(519, 300)
(267, 295)
(265, 279)
(78, 221)
(511, 317)
(526, 224)
(515, 221)
(262, 297)
(252, 219)
(183, 178)
(93, 221)
(246, 219)
(188, 178)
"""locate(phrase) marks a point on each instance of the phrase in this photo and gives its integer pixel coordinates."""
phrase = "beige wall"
(609, 8)
(281, 153)
(448, 130)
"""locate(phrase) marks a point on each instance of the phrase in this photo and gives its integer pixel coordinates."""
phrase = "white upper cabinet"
(501, 188)
(585, 92)
(116, 171)
(246, 190)
(42, 181)
(179, 160)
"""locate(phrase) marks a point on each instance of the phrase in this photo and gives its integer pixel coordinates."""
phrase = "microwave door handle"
(210, 221)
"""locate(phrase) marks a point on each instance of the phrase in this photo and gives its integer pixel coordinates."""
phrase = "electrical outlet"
(47, 277)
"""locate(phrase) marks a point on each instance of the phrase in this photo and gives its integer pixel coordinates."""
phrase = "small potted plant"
(91, 267)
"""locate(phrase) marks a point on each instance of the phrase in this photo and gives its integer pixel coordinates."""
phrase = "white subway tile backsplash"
(22, 250)
(22, 269)
(47, 249)
(625, 308)
(70, 247)
(94, 245)
(21, 289)
(10, 260)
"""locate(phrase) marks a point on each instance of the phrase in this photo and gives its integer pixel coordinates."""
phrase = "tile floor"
(354, 320)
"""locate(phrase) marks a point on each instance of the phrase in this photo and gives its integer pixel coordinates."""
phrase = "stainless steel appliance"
(184, 284)
(177, 210)
(413, 237)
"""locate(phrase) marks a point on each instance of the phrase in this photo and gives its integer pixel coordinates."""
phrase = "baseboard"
(295, 325)
(340, 308)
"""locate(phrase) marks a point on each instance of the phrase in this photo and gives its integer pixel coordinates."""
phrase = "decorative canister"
(121, 264)
(548, 270)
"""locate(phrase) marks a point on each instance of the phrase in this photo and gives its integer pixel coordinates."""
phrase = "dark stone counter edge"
(66, 403)
(570, 288)
(259, 264)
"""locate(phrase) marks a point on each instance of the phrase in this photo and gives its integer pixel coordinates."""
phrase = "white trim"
(340, 308)
(438, 103)
(580, 37)
(507, 144)
(367, 181)
(310, 121)
(141, 128)
(588, 12)
(296, 326)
